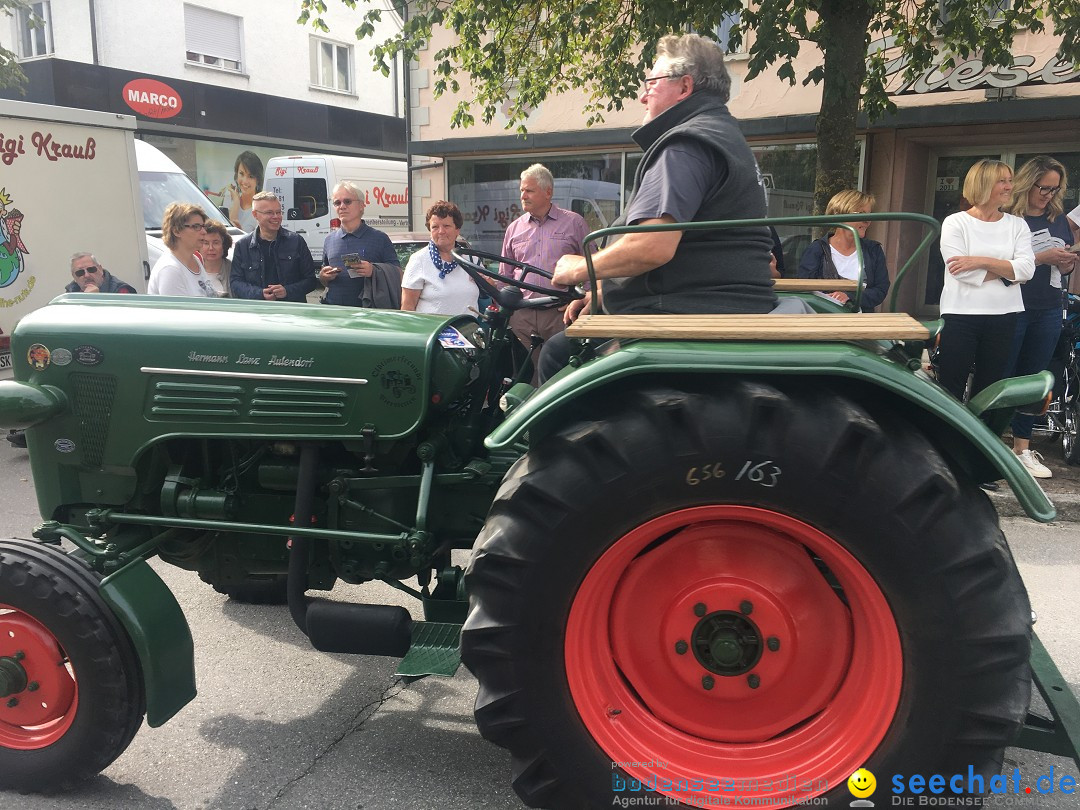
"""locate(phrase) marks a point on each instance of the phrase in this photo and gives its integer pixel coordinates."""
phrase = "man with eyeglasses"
(90, 277)
(361, 267)
(696, 166)
(271, 263)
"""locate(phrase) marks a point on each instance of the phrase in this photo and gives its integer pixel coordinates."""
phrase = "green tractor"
(712, 553)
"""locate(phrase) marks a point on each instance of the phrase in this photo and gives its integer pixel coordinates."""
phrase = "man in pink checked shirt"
(542, 235)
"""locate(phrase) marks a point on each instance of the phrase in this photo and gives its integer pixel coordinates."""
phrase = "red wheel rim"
(43, 711)
(823, 699)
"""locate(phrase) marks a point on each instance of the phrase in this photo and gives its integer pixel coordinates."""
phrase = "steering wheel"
(511, 296)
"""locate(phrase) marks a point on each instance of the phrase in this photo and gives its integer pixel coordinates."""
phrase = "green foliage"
(508, 56)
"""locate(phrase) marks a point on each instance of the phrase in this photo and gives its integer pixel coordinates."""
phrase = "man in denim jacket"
(271, 263)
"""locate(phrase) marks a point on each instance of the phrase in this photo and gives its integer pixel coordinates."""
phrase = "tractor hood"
(135, 369)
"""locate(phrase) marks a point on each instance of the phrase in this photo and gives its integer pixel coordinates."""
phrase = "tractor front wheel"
(746, 594)
(71, 692)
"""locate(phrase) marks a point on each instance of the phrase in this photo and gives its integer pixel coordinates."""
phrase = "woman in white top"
(433, 282)
(180, 271)
(987, 256)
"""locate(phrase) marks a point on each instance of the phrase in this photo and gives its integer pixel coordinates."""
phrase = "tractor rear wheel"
(746, 593)
(71, 691)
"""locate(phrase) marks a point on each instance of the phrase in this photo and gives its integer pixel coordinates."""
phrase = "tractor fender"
(962, 435)
(155, 622)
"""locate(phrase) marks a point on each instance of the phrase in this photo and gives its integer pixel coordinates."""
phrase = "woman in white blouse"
(180, 271)
(433, 282)
(987, 256)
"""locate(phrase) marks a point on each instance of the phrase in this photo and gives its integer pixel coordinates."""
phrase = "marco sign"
(974, 73)
(152, 98)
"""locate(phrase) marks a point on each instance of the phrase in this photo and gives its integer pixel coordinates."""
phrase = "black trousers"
(982, 342)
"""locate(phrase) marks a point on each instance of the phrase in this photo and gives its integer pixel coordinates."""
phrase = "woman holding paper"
(987, 256)
(1037, 196)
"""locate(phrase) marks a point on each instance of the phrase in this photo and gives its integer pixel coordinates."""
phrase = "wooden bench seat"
(814, 285)
(820, 327)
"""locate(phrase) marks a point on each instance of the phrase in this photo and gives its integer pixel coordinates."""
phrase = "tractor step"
(434, 650)
(1058, 734)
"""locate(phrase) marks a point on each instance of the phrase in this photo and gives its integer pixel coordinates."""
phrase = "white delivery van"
(303, 184)
(162, 182)
(68, 183)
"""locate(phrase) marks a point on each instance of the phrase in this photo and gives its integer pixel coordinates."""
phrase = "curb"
(1067, 504)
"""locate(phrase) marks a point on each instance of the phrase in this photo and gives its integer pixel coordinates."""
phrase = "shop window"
(331, 65)
(789, 171)
(34, 25)
(487, 191)
(213, 39)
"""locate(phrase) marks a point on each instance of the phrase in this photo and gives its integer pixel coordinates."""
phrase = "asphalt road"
(278, 725)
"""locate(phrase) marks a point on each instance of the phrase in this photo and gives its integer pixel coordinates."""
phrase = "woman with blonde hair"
(179, 271)
(833, 255)
(1037, 196)
(987, 257)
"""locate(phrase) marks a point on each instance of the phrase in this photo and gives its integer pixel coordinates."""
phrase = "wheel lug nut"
(708, 682)
(746, 607)
(699, 609)
(12, 703)
(773, 643)
(681, 647)
(19, 655)
(32, 686)
(754, 681)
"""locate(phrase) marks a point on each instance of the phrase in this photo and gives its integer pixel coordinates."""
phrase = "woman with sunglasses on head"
(180, 271)
(833, 255)
(1037, 195)
(987, 257)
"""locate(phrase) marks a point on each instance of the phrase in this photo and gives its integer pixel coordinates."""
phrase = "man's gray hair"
(541, 174)
(700, 58)
(352, 188)
(79, 255)
(266, 195)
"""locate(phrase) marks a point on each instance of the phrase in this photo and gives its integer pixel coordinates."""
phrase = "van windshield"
(161, 188)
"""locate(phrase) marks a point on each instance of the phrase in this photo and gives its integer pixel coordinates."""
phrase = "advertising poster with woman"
(231, 175)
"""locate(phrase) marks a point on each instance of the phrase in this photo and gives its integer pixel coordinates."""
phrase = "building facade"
(210, 79)
(913, 160)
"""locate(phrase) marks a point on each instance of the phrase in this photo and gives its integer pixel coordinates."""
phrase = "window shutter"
(212, 33)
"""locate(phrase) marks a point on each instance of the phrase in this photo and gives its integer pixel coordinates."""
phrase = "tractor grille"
(92, 406)
(280, 403)
(291, 403)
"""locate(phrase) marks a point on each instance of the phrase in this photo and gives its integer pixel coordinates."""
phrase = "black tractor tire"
(268, 589)
(589, 581)
(68, 723)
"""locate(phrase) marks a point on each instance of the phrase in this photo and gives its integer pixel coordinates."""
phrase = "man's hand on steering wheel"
(467, 258)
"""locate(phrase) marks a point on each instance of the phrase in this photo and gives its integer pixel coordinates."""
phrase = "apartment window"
(35, 30)
(331, 65)
(213, 39)
(995, 9)
(729, 21)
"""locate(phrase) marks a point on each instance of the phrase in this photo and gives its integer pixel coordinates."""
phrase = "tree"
(604, 46)
(11, 74)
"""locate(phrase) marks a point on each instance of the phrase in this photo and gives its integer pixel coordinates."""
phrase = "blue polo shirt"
(371, 245)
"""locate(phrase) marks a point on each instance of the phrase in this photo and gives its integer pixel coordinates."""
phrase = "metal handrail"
(933, 226)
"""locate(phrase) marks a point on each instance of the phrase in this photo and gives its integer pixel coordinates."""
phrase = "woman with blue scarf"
(433, 282)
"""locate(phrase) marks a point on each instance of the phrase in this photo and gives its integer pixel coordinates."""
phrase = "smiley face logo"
(862, 783)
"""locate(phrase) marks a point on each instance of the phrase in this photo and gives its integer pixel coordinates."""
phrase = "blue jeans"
(1037, 333)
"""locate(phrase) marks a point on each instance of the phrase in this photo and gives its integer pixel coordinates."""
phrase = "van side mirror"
(293, 213)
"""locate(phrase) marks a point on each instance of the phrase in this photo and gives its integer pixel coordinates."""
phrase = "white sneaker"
(1033, 462)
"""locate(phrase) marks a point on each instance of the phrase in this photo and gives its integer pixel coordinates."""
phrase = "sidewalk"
(1063, 488)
